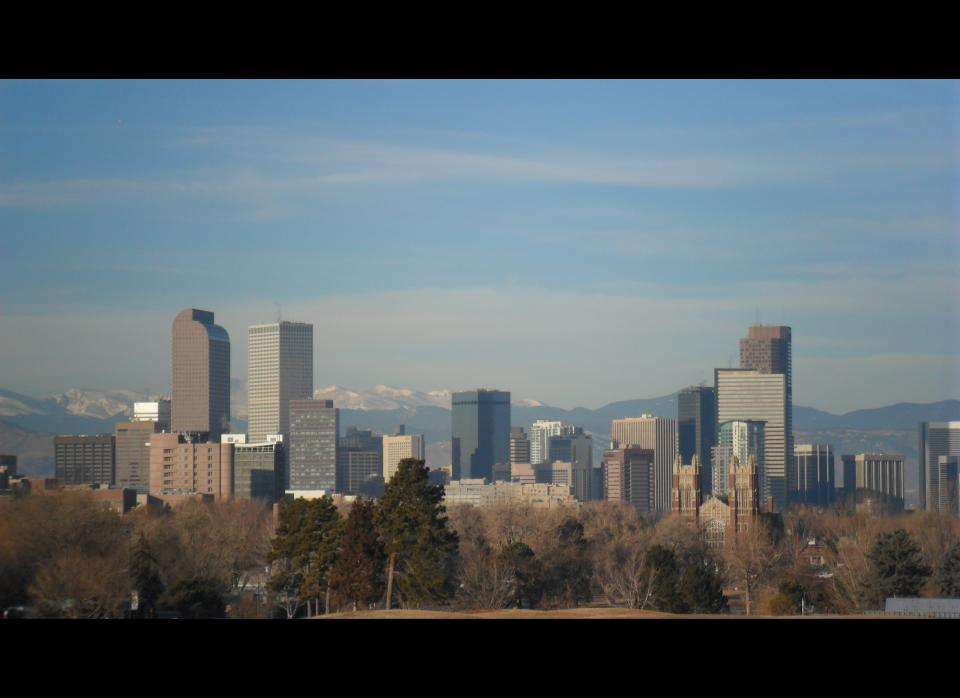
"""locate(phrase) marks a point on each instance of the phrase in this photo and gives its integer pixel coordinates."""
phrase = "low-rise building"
(476, 492)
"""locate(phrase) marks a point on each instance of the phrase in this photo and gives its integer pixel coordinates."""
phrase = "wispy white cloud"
(562, 347)
(262, 167)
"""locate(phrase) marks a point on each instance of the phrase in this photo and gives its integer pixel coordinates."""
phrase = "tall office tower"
(849, 475)
(577, 449)
(481, 433)
(628, 477)
(84, 460)
(519, 446)
(540, 434)
(279, 369)
(181, 466)
(878, 473)
(258, 470)
(697, 429)
(398, 447)
(314, 430)
(201, 375)
(738, 439)
(157, 411)
(936, 439)
(748, 394)
(359, 458)
(948, 485)
(133, 453)
(768, 349)
(814, 471)
(659, 434)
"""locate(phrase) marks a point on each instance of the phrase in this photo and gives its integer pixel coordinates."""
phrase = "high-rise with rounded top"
(200, 375)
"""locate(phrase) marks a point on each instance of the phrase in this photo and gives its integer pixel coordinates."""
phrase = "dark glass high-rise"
(481, 432)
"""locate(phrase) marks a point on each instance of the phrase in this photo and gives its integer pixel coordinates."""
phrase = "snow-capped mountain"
(382, 397)
(99, 404)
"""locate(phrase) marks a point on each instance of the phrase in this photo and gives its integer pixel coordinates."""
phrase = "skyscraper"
(696, 429)
(399, 447)
(576, 449)
(740, 439)
(133, 453)
(747, 394)
(936, 439)
(481, 433)
(359, 458)
(628, 477)
(814, 470)
(658, 434)
(258, 470)
(769, 349)
(314, 430)
(878, 473)
(519, 446)
(280, 369)
(540, 434)
(201, 375)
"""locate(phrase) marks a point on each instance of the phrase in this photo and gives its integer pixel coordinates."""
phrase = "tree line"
(68, 557)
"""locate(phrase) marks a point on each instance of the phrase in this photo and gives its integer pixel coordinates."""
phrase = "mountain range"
(27, 424)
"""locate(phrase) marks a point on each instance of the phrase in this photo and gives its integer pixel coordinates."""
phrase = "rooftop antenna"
(758, 316)
(279, 311)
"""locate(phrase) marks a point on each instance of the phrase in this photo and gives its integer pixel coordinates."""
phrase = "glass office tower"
(481, 433)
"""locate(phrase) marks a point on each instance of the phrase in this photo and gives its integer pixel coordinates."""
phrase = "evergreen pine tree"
(527, 573)
(949, 576)
(701, 590)
(421, 546)
(662, 568)
(357, 577)
(145, 575)
(897, 567)
(305, 548)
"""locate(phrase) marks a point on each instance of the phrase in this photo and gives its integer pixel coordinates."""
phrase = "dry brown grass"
(571, 613)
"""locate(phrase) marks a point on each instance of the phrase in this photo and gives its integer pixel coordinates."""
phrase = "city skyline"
(458, 216)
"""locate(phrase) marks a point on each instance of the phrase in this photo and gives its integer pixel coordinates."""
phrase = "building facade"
(697, 429)
(312, 459)
(658, 434)
(749, 395)
(628, 476)
(576, 449)
(399, 447)
(258, 470)
(476, 492)
(540, 433)
(85, 460)
(201, 375)
(948, 486)
(481, 432)
(157, 411)
(132, 441)
(881, 474)
(719, 519)
(519, 446)
(280, 369)
(740, 439)
(359, 458)
(814, 472)
(936, 439)
(179, 466)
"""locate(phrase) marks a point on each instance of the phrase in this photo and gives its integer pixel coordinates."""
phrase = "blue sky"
(574, 242)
